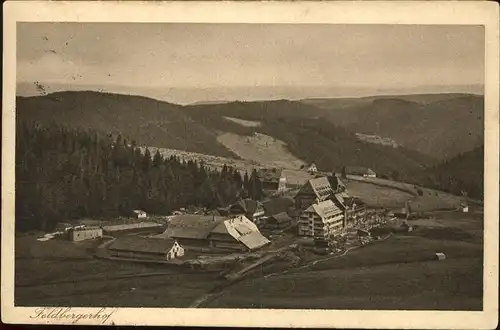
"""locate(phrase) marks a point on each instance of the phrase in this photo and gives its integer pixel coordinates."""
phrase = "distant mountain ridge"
(206, 94)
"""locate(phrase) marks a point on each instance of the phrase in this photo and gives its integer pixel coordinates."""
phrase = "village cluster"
(320, 212)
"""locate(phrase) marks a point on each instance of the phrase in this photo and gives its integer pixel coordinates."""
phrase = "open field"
(294, 175)
(395, 274)
(385, 141)
(62, 273)
(406, 187)
(261, 148)
(378, 192)
(378, 196)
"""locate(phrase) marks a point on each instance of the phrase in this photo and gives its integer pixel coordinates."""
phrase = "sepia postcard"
(253, 164)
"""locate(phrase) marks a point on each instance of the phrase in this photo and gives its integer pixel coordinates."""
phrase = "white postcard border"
(389, 12)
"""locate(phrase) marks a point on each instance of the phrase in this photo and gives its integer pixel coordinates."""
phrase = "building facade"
(322, 220)
(85, 233)
(355, 212)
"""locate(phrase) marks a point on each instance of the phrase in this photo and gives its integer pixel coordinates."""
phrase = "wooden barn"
(235, 233)
(278, 221)
(145, 248)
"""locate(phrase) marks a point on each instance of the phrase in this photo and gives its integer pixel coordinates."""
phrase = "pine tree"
(69, 173)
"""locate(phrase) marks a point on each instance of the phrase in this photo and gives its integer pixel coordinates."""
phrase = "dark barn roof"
(277, 205)
(192, 226)
(138, 244)
(282, 218)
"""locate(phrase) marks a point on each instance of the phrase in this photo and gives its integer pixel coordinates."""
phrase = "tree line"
(64, 174)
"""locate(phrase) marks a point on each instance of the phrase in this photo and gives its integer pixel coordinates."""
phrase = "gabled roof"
(277, 205)
(242, 230)
(325, 209)
(138, 244)
(254, 240)
(320, 186)
(282, 217)
(192, 226)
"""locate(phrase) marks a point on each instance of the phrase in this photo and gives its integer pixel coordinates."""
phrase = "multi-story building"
(355, 212)
(321, 220)
(314, 191)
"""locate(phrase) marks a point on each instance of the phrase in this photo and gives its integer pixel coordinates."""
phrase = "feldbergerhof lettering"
(68, 314)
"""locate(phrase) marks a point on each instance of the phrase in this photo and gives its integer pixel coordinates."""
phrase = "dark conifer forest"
(65, 173)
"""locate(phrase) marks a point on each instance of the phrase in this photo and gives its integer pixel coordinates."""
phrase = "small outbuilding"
(312, 168)
(84, 233)
(278, 221)
(440, 256)
(139, 214)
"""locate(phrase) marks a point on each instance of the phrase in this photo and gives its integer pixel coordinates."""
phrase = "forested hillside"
(441, 126)
(64, 173)
(462, 173)
(195, 128)
(310, 138)
(331, 147)
(147, 121)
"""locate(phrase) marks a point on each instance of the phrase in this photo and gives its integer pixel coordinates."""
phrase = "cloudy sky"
(228, 56)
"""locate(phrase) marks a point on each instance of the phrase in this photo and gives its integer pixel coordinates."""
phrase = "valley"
(330, 132)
